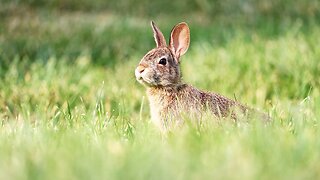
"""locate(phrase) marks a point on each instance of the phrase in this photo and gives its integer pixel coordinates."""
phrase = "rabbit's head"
(160, 66)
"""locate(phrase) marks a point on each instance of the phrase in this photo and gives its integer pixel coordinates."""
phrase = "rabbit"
(170, 99)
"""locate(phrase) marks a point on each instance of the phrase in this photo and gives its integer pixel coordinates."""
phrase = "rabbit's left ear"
(180, 39)
(158, 36)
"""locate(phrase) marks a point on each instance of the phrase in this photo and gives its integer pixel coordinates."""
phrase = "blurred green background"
(112, 30)
(70, 107)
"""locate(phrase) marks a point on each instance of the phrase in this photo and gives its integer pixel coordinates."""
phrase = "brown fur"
(167, 104)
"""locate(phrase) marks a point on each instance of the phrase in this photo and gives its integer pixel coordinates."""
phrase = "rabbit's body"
(170, 99)
(169, 104)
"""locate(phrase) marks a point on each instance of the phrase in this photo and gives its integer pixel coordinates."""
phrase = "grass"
(70, 107)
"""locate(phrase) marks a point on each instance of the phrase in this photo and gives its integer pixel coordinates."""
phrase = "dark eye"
(163, 61)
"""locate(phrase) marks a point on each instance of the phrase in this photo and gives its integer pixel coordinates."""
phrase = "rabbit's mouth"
(146, 82)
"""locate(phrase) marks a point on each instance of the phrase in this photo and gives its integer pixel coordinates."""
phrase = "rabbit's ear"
(180, 39)
(158, 36)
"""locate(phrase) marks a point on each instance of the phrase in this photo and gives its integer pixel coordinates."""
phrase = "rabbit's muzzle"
(144, 75)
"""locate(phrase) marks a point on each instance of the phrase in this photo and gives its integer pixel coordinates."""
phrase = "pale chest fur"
(168, 106)
(162, 106)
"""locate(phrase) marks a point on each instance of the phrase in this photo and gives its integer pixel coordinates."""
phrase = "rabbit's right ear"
(158, 36)
(180, 39)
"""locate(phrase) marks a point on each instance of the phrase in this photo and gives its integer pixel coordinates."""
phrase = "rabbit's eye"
(163, 61)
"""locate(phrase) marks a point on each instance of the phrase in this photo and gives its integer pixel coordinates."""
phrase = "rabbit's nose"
(140, 69)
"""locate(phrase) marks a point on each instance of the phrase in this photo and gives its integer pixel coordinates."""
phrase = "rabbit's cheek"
(156, 79)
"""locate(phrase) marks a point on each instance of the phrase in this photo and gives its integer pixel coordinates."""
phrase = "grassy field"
(70, 107)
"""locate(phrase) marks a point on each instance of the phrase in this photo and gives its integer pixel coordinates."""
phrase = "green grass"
(70, 107)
